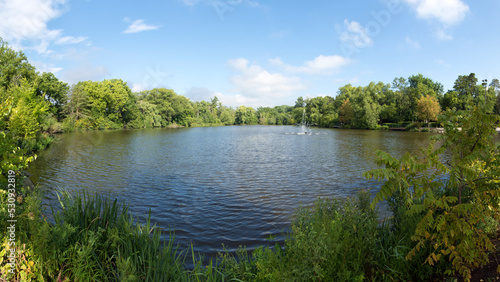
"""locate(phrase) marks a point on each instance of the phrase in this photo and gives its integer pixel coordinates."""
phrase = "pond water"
(235, 185)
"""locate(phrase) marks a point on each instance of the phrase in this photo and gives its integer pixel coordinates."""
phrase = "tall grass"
(96, 239)
(93, 238)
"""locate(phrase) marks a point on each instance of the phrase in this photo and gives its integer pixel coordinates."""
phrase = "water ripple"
(219, 186)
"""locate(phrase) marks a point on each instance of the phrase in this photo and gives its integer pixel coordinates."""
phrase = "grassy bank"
(96, 239)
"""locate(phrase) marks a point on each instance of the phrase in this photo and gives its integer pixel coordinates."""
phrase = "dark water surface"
(220, 185)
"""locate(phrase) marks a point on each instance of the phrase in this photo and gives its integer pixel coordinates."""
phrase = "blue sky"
(255, 52)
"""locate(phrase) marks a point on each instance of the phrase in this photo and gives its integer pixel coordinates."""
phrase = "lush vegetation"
(445, 209)
(43, 104)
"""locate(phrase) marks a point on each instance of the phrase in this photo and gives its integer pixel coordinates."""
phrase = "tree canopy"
(111, 103)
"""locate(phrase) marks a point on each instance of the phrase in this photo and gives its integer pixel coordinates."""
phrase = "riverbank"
(335, 240)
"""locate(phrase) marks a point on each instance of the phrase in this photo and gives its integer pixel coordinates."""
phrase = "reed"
(96, 239)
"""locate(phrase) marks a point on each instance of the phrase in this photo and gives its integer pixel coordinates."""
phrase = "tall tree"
(415, 80)
(78, 105)
(27, 112)
(465, 86)
(428, 108)
(346, 113)
(14, 66)
(54, 91)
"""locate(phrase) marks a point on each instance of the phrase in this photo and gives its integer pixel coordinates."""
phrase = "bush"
(382, 127)
(68, 125)
(333, 241)
(415, 126)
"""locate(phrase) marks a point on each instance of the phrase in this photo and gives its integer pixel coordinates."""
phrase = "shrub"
(333, 241)
(453, 209)
(415, 126)
(382, 127)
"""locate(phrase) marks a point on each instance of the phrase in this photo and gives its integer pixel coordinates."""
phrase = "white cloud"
(138, 26)
(70, 40)
(355, 35)
(412, 43)
(448, 12)
(45, 67)
(205, 94)
(137, 87)
(319, 65)
(256, 86)
(200, 94)
(442, 34)
(24, 24)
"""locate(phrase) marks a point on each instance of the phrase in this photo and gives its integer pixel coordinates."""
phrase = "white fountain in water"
(306, 130)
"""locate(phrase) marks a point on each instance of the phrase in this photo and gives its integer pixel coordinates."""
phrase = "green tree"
(366, 108)
(495, 85)
(149, 115)
(227, 116)
(452, 210)
(78, 105)
(465, 86)
(267, 115)
(321, 111)
(54, 91)
(409, 91)
(389, 113)
(12, 157)
(485, 96)
(300, 102)
(403, 99)
(428, 108)
(284, 116)
(496, 107)
(28, 110)
(245, 115)
(419, 79)
(346, 114)
(14, 67)
(450, 101)
(182, 110)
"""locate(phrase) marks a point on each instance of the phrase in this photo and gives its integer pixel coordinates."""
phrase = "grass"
(93, 238)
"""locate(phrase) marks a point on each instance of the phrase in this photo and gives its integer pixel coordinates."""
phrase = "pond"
(235, 185)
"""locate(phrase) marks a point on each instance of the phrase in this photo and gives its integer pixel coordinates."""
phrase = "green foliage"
(172, 108)
(414, 126)
(93, 238)
(108, 103)
(12, 156)
(27, 112)
(245, 115)
(54, 91)
(332, 241)
(453, 209)
(428, 108)
(14, 67)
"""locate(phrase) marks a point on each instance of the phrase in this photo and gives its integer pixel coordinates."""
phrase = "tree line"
(41, 103)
